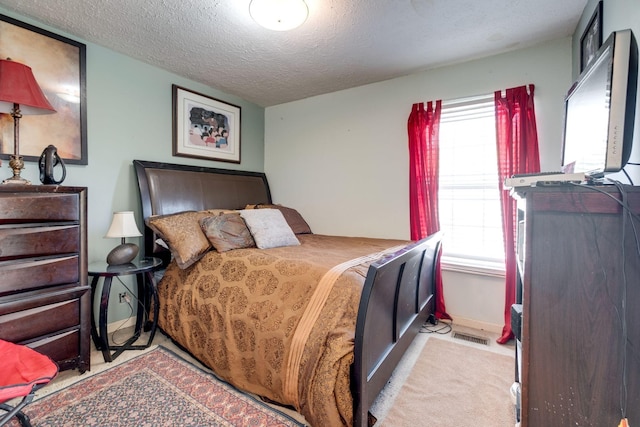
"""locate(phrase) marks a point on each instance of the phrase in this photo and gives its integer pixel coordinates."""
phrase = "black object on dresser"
(45, 301)
(578, 266)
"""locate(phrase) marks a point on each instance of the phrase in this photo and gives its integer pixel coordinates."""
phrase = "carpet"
(455, 384)
(157, 388)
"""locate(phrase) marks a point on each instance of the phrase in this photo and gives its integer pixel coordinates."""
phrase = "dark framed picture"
(59, 66)
(591, 39)
(205, 127)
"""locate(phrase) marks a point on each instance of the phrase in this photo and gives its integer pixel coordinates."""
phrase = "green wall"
(129, 116)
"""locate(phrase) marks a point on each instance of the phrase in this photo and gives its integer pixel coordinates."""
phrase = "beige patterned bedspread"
(237, 312)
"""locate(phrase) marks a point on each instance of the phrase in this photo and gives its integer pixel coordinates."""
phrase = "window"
(469, 198)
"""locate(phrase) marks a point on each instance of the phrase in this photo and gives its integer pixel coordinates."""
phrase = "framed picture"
(591, 39)
(59, 66)
(205, 127)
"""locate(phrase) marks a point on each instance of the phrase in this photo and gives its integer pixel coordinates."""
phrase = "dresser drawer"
(51, 320)
(37, 322)
(20, 207)
(38, 241)
(62, 348)
(23, 275)
(45, 301)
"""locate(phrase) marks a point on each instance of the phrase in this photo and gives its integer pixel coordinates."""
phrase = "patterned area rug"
(158, 388)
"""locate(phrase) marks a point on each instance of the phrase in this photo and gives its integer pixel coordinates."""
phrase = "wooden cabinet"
(579, 268)
(45, 300)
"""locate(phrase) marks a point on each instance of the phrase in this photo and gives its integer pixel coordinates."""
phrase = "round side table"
(143, 269)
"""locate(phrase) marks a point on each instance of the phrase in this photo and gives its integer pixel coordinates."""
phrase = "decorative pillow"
(269, 228)
(227, 231)
(161, 242)
(182, 233)
(294, 219)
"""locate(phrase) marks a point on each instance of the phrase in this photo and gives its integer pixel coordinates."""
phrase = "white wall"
(342, 160)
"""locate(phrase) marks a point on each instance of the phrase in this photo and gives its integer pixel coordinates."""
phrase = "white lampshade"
(123, 225)
(279, 15)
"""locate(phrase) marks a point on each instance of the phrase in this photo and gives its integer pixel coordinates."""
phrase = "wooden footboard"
(397, 299)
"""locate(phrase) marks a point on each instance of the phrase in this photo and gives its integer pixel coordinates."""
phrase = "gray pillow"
(227, 231)
(269, 228)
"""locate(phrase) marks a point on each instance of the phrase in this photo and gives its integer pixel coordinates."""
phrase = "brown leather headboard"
(167, 188)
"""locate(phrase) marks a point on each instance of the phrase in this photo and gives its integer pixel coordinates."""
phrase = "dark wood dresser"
(579, 266)
(45, 300)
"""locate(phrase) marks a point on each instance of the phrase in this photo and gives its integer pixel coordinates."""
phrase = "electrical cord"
(628, 216)
(128, 296)
(624, 205)
(628, 177)
(435, 329)
(623, 386)
(121, 325)
(625, 218)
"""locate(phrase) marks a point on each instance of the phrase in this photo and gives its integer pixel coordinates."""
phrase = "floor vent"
(471, 338)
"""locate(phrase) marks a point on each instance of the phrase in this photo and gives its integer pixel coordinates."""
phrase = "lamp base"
(16, 164)
(16, 180)
(122, 254)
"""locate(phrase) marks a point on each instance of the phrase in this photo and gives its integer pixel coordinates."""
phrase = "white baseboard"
(476, 324)
(121, 324)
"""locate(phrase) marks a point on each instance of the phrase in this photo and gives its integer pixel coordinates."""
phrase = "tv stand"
(577, 263)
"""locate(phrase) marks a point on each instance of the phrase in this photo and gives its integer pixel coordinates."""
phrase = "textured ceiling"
(343, 43)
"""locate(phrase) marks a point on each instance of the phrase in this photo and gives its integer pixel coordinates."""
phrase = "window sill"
(470, 266)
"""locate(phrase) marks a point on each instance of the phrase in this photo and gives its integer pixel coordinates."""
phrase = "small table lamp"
(123, 225)
(19, 94)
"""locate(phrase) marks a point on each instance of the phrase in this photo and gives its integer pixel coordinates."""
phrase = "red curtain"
(423, 127)
(517, 153)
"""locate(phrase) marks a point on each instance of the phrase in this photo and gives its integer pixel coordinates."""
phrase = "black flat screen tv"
(600, 110)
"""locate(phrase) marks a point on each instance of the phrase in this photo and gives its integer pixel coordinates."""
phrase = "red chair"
(22, 372)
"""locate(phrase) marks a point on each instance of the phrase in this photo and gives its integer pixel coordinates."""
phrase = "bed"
(317, 325)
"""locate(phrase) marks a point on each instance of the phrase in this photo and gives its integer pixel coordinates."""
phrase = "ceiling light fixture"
(279, 15)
